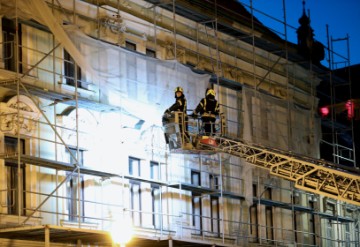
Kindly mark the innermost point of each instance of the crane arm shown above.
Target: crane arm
(309, 174)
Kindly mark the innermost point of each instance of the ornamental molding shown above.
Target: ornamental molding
(19, 114)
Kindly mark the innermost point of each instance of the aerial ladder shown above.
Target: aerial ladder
(309, 174)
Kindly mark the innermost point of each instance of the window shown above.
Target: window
(269, 216)
(156, 206)
(312, 224)
(73, 185)
(155, 195)
(15, 194)
(267, 193)
(130, 46)
(215, 215)
(330, 208)
(9, 54)
(135, 191)
(69, 71)
(269, 224)
(154, 170)
(135, 202)
(295, 199)
(254, 218)
(134, 166)
(214, 205)
(329, 234)
(347, 235)
(254, 222)
(254, 190)
(150, 53)
(214, 181)
(196, 203)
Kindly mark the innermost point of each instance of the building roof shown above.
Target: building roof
(230, 15)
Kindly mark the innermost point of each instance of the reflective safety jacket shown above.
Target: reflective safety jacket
(208, 107)
(179, 105)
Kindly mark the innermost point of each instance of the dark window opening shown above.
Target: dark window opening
(269, 216)
(16, 196)
(130, 46)
(312, 224)
(214, 181)
(254, 221)
(267, 193)
(269, 224)
(9, 55)
(150, 53)
(254, 231)
(69, 71)
(254, 190)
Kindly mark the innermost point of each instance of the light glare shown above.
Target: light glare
(121, 231)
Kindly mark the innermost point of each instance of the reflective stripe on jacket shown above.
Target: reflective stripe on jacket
(208, 108)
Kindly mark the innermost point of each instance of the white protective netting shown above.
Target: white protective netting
(142, 86)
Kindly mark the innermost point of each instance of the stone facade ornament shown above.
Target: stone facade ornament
(19, 114)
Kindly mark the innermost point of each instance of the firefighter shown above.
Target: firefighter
(208, 108)
(180, 102)
(180, 105)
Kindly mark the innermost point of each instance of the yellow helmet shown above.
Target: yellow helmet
(179, 89)
(210, 92)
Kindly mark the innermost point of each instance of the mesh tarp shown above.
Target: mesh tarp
(142, 85)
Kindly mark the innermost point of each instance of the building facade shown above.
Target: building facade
(84, 85)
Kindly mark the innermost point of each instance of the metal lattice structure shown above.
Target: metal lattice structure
(313, 175)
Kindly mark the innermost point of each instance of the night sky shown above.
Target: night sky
(341, 16)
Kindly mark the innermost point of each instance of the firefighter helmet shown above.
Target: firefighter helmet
(179, 89)
(210, 92)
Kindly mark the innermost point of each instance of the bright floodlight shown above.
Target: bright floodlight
(121, 231)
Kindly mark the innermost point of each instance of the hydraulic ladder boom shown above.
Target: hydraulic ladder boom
(313, 175)
(309, 174)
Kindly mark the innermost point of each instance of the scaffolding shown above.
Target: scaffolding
(202, 178)
(341, 100)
